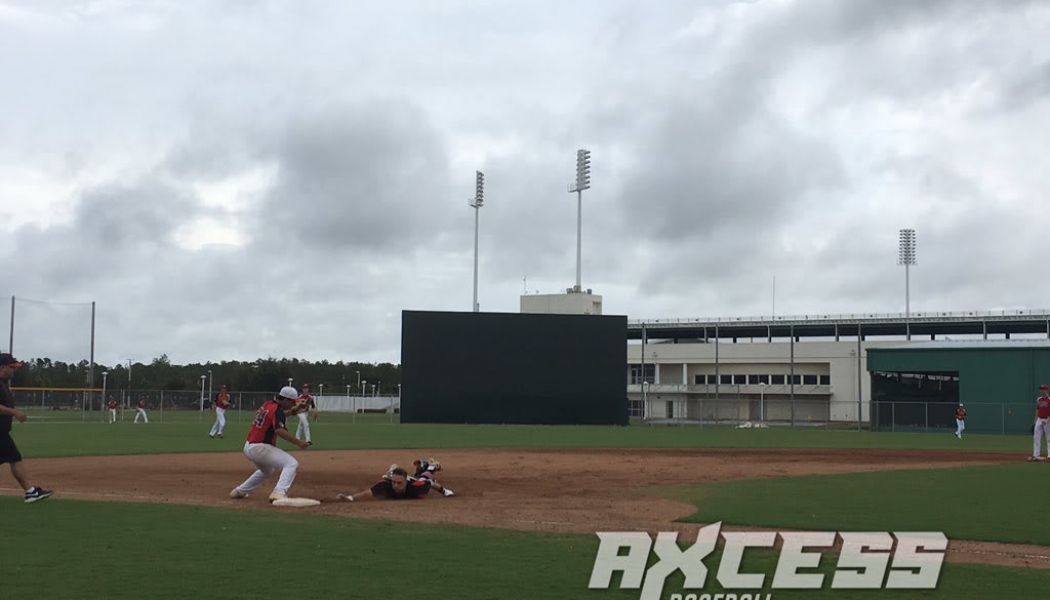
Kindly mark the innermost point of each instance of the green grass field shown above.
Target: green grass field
(993, 503)
(64, 549)
(74, 549)
(187, 432)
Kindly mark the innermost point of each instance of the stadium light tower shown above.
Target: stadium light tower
(583, 182)
(476, 203)
(906, 257)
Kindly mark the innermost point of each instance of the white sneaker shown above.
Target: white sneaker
(347, 497)
(278, 496)
(447, 492)
(237, 494)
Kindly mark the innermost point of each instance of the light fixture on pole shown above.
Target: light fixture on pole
(906, 257)
(203, 377)
(289, 382)
(104, 374)
(210, 395)
(129, 372)
(320, 391)
(583, 182)
(476, 203)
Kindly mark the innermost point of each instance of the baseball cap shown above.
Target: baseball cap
(6, 360)
(1041, 386)
(288, 392)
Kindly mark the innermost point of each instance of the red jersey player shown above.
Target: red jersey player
(1042, 424)
(261, 447)
(960, 421)
(112, 406)
(222, 402)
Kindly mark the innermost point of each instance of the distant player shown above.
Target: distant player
(305, 409)
(8, 451)
(112, 406)
(220, 405)
(261, 447)
(1042, 424)
(960, 421)
(141, 411)
(397, 485)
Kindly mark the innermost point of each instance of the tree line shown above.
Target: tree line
(264, 374)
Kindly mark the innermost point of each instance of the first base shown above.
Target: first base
(296, 502)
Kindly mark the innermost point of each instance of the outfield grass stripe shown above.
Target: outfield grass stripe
(993, 503)
(65, 549)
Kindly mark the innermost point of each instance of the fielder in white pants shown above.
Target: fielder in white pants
(1042, 423)
(261, 447)
(1042, 428)
(141, 412)
(219, 426)
(303, 430)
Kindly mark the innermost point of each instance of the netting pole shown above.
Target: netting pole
(11, 334)
(91, 366)
(162, 406)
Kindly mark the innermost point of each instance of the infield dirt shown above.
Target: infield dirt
(566, 491)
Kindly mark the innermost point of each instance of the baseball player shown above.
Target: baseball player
(261, 447)
(306, 409)
(1042, 424)
(141, 411)
(221, 403)
(8, 451)
(960, 421)
(396, 484)
(112, 406)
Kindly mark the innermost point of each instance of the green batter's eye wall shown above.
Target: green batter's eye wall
(513, 368)
(921, 385)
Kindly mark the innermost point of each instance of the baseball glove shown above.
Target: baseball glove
(300, 406)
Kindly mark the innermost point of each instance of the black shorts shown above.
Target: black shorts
(8, 450)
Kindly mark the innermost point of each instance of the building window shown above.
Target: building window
(740, 379)
(809, 379)
(777, 380)
(795, 379)
(763, 379)
(699, 379)
(825, 380)
(752, 379)
(636, 374)
(725, 379)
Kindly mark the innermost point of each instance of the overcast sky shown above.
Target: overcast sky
(233, 180)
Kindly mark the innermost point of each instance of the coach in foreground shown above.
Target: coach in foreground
(8, 451)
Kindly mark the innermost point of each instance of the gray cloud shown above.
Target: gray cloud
(732, 142)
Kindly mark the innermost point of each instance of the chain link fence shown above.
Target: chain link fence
(57, 405)
(982, 417)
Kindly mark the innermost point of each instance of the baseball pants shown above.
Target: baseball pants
(960, 427)
(1042, 428)
(304, 427)
(141, 413)
(269, 459)
(112, 415)
(220, 422)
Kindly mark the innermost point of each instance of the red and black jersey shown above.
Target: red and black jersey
(268, 419)
(222, 400)
(309, 400)
(112, 404)
(960, 413)
(1042, 407)
(415, 488)
(142, 404)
